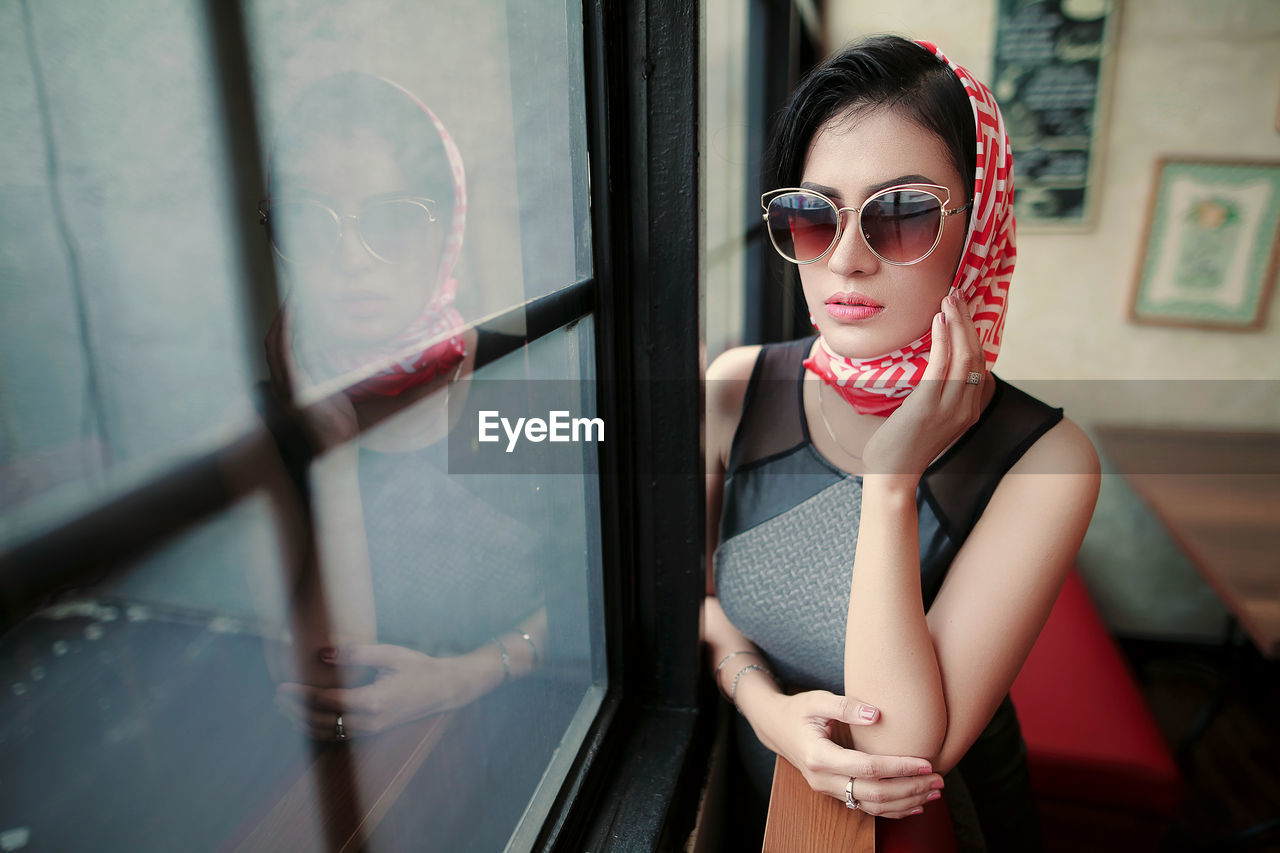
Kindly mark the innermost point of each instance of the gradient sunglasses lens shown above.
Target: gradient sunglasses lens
(902, 226)
(802, 226)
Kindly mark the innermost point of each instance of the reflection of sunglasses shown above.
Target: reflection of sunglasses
(304, 230)
(901, 225)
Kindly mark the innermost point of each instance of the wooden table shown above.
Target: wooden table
(1218, 494)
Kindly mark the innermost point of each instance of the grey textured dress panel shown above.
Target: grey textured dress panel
(451, 568)
(785, 582)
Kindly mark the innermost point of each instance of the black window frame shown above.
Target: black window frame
(635, 782)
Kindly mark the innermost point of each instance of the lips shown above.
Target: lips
(852, 298)
(846, 307)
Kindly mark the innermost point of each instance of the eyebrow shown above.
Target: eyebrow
(873, 188)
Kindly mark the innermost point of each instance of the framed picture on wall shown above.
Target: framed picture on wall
(1211, 246)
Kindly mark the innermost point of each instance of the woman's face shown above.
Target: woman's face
(850, 159)
(344, 293)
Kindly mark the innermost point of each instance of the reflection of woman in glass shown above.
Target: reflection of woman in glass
(871, 546)
(432, 589)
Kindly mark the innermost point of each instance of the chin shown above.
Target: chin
(358, 332)
(862, 344)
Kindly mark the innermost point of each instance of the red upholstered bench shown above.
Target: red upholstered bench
(1102, 774)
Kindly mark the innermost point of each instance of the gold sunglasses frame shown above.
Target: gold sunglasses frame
(941, 193)
(264, 219)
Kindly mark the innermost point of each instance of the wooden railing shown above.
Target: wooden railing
(803, 821)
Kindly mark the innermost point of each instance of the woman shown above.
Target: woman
(430, 592)
(870, 544)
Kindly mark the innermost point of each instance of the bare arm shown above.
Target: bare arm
(939, 678)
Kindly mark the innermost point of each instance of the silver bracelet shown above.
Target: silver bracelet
(534, 648)
(733, 693)
(506, 660)
(720, 666)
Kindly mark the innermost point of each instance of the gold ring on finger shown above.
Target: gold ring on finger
(974, 378)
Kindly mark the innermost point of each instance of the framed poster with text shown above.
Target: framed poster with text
(1052, 58)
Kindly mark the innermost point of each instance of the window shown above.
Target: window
(189, 518)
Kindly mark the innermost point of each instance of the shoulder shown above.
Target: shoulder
(727, 380)
(1035, 522)
(736, 363)
(1055, 482)
(1063, 449)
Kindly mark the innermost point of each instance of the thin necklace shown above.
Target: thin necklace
(822, 410)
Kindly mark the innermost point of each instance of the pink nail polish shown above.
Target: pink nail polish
(933, 796)
(937, 784)
(917, 810)
(867, 713)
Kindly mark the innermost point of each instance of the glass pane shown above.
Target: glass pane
(188, 703)
(144, 706)
(467, 598)
(420, 176)
(121, 341)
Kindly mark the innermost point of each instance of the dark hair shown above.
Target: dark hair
(881, 72)
(347, 103)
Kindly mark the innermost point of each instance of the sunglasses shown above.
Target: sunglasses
(305, 230)
(901, 225)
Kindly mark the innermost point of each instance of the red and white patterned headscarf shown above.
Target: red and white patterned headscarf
(420, 352)
(878, 385)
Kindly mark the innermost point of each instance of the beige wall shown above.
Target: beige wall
(1188, 77)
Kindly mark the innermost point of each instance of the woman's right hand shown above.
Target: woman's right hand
(802, 729)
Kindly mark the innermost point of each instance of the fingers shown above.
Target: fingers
(321, 725)
(863, 766)
(883, 797)
(843, 708)
(380, 656)
(313, 722)
(939, 352)
(322, 698)
(967, 349)
(966, 356)
(894, 797)
(315, 710)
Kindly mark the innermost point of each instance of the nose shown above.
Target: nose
(352, 256)
(851, 254)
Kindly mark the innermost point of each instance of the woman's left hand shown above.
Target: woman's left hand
(409, 685)
(941, 407)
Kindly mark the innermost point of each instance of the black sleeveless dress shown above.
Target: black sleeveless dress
(787, 590)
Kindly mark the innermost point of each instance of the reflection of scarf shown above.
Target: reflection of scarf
(410, 357)
(878, 385)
